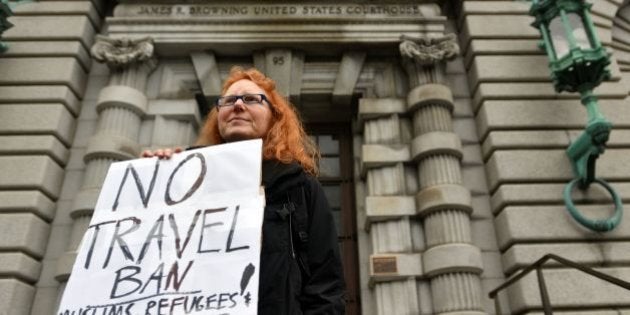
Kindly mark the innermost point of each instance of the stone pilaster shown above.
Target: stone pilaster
(121, 106)
(394, 262)
(451, 262)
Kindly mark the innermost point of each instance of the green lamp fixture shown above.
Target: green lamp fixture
(578, 63)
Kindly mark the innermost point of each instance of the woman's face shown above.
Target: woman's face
(241, 121)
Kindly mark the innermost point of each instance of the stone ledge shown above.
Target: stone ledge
(553, 224)
(124, 97)
(569, 288)
(16, 297)
(69, 27)
(41, 94)
(21, 266)
(541, 194)
(530, 139)
(371, 108)
(436, 143)
(482, 47)
(378, 155)
(606, 9)
(31, 172)
(27, 201)
(452, 258)
(357, 31)
(50, 49)
(35, 145)
(498, 7)
(506, 68)
(545, 114)
(34, 119)
(429, 94)
(24, 232)
(59, 8)
(608, 254)
(111, 146)
(388, 208)
(393, 267)
(44, 71)
(539, 166)
(514, 26)
(532, 91)
(545, 139)
(603, 13)
(442, 197)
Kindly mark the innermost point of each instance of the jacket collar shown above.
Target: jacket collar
(277, 176)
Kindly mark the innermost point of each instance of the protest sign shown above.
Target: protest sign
(178, 236)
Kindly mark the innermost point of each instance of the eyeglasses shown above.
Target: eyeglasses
(248, 99)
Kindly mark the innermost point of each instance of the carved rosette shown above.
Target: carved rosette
(119, 53)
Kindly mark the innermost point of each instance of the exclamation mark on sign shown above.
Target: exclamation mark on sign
(247, 275)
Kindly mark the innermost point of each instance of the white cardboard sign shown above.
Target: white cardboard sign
(180, 236)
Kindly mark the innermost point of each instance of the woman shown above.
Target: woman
(300, 265)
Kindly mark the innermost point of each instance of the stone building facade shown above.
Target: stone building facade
(442, 138)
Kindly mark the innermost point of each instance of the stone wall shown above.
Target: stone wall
(525, 127)
(499, 135)
(43, 76)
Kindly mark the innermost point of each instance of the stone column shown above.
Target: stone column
(390, 181)
(120, 107)
(451, 262)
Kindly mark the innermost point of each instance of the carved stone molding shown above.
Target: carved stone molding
(122, 52)
(429, 50)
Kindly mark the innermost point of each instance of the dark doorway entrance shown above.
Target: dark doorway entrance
(336, 176)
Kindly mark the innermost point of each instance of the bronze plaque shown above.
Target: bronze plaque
(385, 264)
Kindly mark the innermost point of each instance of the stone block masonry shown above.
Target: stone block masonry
(525, 128)
(43, 77)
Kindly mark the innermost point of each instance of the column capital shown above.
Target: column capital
(120, 53)
(427, 51)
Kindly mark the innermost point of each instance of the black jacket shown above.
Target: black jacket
(284, 287)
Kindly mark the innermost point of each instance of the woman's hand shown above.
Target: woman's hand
(163, 154)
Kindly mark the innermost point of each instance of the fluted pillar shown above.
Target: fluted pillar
(451, 263)
(121, 106)
(390, 184)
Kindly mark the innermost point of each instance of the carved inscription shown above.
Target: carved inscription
(384, 265)
(303, 11)
(278, 60)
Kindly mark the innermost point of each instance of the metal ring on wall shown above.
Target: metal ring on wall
(601, 225)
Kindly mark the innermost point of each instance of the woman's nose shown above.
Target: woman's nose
(239, 105)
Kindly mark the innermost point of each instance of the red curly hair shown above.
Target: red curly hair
(285, 141)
